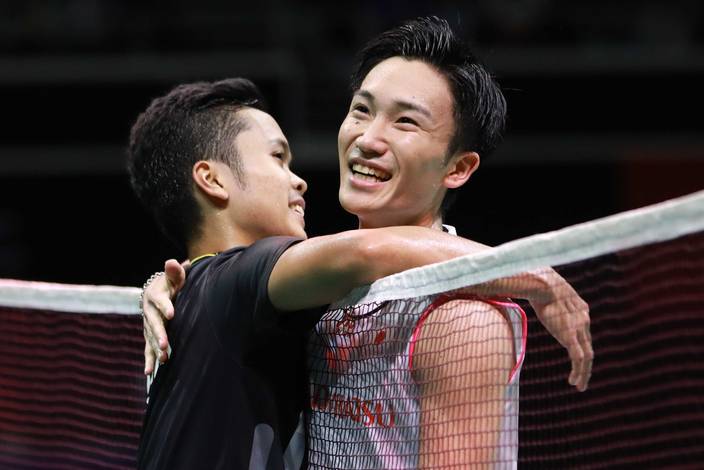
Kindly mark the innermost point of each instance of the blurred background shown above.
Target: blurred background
(604, 112)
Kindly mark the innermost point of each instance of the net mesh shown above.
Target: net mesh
(71, 389)
(416, 370)
(644, 406)
(430, 382)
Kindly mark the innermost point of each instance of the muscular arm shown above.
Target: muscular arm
(321, 270)
(463, 358)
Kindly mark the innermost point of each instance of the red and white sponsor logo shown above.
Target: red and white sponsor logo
(366, 412)
(345, 341)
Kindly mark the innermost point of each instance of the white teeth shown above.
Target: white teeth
(370, 174)
(364, 177)
(297, 208)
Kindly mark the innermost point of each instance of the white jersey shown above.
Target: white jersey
(364, 402)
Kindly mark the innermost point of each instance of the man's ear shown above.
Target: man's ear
(209, 178)
(460, 168)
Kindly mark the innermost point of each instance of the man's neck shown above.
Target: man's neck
(430, 222)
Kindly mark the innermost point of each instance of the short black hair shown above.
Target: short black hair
(479, 104)
(192, 122)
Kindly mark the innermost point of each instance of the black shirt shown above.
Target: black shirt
(232, 392)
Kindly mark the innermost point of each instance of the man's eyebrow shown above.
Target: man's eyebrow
(402, 104)
(364, 94)
(407, 105)
(280, 142)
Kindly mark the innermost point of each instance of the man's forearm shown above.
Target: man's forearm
(539, 286)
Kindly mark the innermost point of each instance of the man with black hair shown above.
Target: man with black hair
(423, 111)
(213, 168)
(444, 392)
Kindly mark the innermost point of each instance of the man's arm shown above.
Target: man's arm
(361, 256)
(314, 272)
(462, 361)
(323, 269)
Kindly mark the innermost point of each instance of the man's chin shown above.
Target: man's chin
(352, 205)
(370, 216)
(357, 202)
(299, 232)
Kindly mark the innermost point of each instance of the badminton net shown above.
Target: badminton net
(419, 369)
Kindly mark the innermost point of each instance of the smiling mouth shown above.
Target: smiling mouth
(298, 209)
(366, 173)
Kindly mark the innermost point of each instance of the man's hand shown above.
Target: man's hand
(566, 317)
(157, 310)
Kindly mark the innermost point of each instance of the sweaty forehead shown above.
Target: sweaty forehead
(398, 79)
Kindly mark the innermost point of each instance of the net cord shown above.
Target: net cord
(69, 298)
(659, 222)
(656, 223)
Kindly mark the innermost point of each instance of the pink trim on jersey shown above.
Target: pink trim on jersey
(416, 331)
(524, 336)
(446, 298)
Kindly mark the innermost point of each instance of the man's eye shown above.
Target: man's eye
(406, 120)
(360, 108)
(280, 156)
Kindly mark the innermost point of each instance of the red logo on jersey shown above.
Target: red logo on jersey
(345, 346)
(346, 326)
(366, 412)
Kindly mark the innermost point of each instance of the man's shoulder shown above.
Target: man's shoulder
(465, 328)
(462, 313)
(261, 250)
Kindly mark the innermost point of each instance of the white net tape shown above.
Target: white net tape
(658, 222)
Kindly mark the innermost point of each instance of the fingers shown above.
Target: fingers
(585, 339)
(157, 308)
(162, 305)
(150, 348)
(582, 357)
(154, 326)
(149, 358)
(577, 357)
(176, 275)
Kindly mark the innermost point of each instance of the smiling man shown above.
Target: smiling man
(442, 391)
(214, 169)
(394, 161)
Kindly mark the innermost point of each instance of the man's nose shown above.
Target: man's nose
(373, 141)
(298, 183)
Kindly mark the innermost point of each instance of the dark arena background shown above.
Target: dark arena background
(604, 103)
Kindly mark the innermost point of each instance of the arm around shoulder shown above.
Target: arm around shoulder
(321, 270)
(317, 271)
